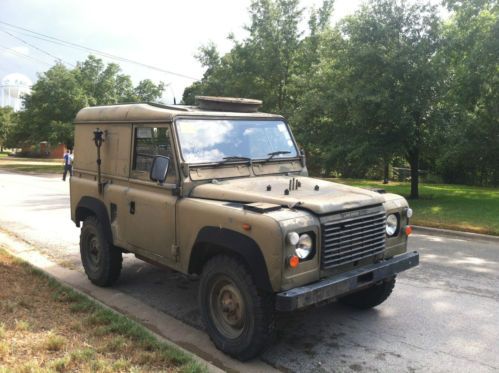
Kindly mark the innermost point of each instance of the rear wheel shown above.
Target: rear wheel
(370, 297)
(101, 260)
(238, 318)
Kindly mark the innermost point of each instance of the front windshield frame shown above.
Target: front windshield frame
(236, 118)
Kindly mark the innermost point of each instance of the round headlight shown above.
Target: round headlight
(392, 223)
(304, 247)
(409, 212)
(293, 238)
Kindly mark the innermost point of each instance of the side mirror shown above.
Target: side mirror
(159, 168)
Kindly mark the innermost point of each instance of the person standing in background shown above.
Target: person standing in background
(68, 164)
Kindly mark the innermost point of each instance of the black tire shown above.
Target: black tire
(101, 260)
(238, 318)
(370, 297)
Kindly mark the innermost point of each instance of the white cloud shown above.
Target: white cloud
(13, 51)
(21, 49)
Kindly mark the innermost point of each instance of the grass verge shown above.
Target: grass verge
(31, 165)
(33, 168)
(47, 327)
(457, 207)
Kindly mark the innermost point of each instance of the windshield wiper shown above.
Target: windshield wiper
(273, 154)
(234, 158)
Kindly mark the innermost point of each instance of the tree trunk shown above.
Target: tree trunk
(414, 162)
(386, 168)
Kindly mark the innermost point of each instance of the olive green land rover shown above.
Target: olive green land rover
(221, 190)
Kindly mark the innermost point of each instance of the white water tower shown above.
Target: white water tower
(12, 88)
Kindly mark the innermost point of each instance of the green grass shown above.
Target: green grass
(457, 207)
(31, 165)
(5, 157)
(45, 168)
(121, 333)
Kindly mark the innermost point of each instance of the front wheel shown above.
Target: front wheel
(101, 260)
(238, 318)
(370, 297)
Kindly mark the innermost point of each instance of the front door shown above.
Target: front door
(151, 207)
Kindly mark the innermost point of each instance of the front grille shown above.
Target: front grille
(350, 240)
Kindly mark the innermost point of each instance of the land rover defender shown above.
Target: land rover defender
(222, 191)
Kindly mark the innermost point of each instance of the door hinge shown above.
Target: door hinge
(176, 252)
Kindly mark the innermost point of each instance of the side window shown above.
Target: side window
(148, 142)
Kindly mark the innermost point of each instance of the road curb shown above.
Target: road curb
(454, 234)
(191, 341)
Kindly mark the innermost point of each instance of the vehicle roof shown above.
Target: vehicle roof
(147, 112)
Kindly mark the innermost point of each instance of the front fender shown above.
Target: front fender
(201, 221)
(211, 241)
(90, 206)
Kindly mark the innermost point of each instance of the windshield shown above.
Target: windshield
(217, 140)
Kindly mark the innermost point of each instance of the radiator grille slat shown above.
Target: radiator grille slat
(336, 237)
(348, 241)
(354, 246)
(352, 224)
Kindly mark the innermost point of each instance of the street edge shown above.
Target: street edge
(454, 234)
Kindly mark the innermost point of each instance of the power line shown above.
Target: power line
(96, 51)
(38, 49)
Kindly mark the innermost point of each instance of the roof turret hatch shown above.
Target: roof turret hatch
(232, 104)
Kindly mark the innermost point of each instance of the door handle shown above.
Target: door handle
(132, 207)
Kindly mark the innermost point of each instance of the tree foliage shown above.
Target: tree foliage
(387, 79)
(60, 93)
(471, 101)
(392, 83)
(262, 65)
(8, 120)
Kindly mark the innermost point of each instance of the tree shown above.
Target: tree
(147, 91)
(471, 152)
(60, 93)
(262, 65)
(8, 119)
(381, 85)
(51, 107)
(273, 63)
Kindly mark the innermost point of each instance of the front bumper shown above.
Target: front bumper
(344, 283)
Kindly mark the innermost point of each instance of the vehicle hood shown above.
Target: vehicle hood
(319, 196)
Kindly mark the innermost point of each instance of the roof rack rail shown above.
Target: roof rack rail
(234, 104)
(171, 107)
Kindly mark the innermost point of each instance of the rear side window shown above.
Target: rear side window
(148, 142)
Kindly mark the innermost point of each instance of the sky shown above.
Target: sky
(165, 34)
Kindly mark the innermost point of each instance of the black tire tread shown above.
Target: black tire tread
(370, 297)
(113, 261)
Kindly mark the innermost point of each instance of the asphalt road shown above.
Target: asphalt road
(442, 317)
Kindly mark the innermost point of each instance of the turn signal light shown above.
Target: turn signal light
(408, 230)
(294, 261)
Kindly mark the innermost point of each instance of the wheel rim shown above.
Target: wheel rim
(93, 252)
(227, 307)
